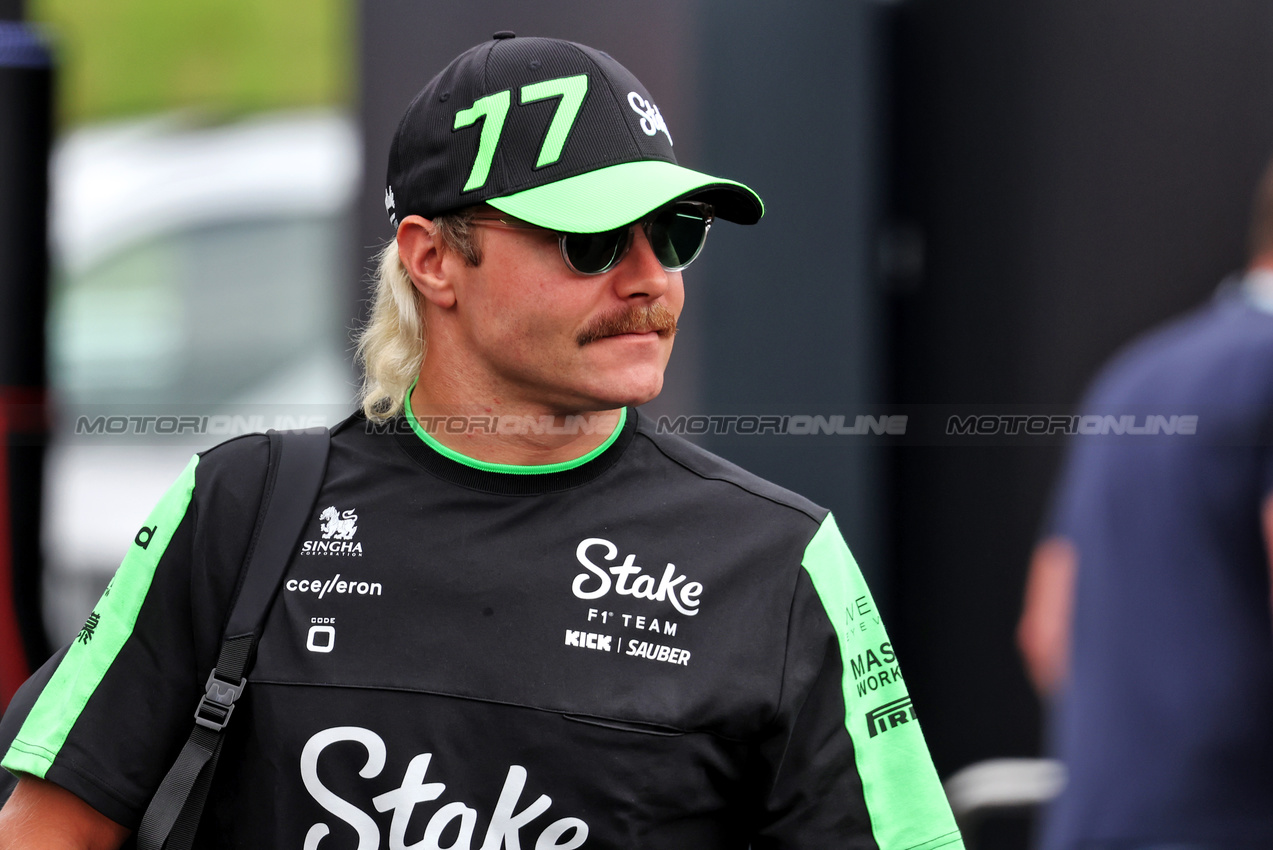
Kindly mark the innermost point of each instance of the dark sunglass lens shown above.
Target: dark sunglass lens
(593, 253)
(677, 235)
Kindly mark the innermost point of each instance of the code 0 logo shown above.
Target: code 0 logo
(890, 715)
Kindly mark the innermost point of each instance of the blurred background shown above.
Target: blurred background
(970, 205)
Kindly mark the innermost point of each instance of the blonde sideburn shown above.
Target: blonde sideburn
(392, 344)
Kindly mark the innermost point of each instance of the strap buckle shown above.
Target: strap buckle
(217, 703)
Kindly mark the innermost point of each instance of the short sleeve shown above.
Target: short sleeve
(119, 707)
(852, 768)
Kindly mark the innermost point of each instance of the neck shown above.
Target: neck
(519, 434)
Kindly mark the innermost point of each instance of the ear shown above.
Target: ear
(423, 255)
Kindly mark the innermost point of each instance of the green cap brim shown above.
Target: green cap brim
(620, 194)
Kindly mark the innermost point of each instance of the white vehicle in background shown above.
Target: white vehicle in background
(198, 272)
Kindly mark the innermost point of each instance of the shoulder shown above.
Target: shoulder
(707, 467)
(247, 449)
(1191, 350)
(241, 464)
(235, 469)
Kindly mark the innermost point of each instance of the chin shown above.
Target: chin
(635, 393)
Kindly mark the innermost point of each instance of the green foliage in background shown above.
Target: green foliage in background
(129, 57)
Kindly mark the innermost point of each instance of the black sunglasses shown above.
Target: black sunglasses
(676, 232)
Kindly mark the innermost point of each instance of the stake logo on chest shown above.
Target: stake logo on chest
(630, 579)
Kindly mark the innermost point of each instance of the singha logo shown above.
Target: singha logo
(337, 525)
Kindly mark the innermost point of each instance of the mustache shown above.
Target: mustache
(634, 320)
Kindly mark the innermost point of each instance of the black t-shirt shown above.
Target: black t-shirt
(647, 648)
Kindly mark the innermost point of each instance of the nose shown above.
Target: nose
(639, 274)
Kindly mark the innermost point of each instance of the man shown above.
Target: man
(1147, 613)
(534, 622)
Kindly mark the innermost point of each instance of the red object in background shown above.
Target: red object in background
(26, 134)
(14, 668)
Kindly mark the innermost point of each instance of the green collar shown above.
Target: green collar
(508, 468)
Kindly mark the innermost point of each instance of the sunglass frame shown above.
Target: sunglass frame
(705, 210)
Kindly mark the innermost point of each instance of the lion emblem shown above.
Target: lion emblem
(340, 526)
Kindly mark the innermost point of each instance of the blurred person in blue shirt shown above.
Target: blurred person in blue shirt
(1147, 619)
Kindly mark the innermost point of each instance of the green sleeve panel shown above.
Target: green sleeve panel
(94, 650)
(904, 797)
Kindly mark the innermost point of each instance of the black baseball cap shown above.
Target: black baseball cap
(549, 131)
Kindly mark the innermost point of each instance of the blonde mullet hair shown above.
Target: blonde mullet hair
(392, 344)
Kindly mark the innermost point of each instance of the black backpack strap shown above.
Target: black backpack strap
(298, 463)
